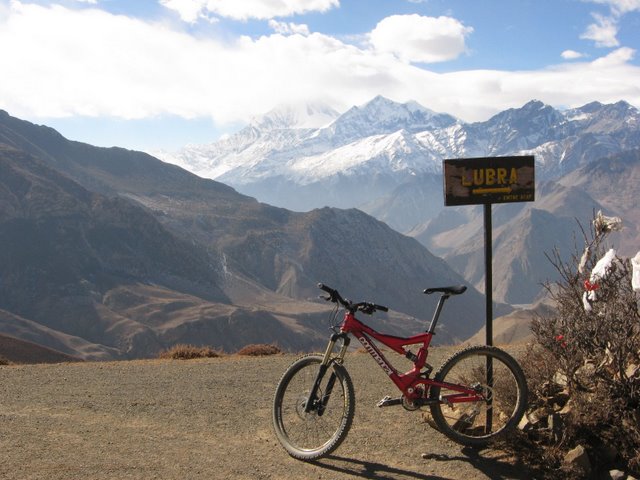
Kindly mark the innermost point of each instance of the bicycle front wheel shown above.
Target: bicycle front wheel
(311, 435)
(494, 376)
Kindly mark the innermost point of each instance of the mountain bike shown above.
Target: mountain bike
(478, 393)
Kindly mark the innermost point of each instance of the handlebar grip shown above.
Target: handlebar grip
(334, 296)
(382, 308)
(323, 287)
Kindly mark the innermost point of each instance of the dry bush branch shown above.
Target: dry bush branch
(583, 367)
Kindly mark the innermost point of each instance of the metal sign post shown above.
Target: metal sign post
(488, 274)
(485, 181)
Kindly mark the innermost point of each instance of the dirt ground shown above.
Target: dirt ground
(209, 419)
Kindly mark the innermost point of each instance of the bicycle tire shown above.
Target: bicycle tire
(476, 424)
(309, 436)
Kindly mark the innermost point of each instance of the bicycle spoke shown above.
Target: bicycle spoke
(308, 435)
(496, 379)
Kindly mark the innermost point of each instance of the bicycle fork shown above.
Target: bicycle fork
(313, 403)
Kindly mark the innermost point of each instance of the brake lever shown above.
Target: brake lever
(370, 308)
(367, 309)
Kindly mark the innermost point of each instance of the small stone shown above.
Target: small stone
(561, 379)
(578, 458)
(524, 424)
(617, 475)
(567, 409)
(538, 418)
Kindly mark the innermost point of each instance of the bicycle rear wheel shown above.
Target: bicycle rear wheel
(495, 375)
(311, 435)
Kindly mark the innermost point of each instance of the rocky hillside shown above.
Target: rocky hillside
(120, 254)
(614, 182)
(385, 158)
(16, 351)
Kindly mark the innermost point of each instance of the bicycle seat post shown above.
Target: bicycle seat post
(436, 314)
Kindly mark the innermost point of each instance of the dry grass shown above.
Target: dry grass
(259, 350)
(187, 352)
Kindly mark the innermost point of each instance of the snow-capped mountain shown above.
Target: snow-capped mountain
(305, 115)
(281, 161)
(307, 157)
(383, 116)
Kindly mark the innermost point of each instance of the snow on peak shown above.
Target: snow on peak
(391, 116)
(302, 115)
(294, 144)
(395, 152)
(382, 116)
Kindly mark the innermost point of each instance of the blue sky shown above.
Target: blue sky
(149, 74)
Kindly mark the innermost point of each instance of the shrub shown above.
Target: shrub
(584, 368)
(259, 350)
(186, 352)
(4, 360)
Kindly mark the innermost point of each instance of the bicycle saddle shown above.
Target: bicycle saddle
(453, 290)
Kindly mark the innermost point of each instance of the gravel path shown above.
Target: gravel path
(208, 419)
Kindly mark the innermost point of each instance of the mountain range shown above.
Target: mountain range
(385, 158)
(370, 151)
(111, 253)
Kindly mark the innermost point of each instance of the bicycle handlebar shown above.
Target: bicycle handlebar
(364, 307)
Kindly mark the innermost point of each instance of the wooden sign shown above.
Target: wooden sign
(475, 181)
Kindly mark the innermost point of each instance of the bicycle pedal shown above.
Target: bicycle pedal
(388, 401)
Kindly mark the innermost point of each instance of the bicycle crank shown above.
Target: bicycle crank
(408, 405)
(388, 401)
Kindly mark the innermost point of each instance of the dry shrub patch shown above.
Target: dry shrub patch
(584, 370)
(186, 352)
(4, 360)
(259, 350)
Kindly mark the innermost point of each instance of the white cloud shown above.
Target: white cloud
(285, 28)
(620, 7)
(603, 32)
(191, 10)
(88, 62)
(617, 57)
(571, 55)
(415, 38)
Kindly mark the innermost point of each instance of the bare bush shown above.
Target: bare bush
(259, 350)
(187, 352)
(584, 369)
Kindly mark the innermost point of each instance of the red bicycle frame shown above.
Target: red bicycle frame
(413, 384)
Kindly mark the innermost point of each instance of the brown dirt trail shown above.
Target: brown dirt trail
(208, 419)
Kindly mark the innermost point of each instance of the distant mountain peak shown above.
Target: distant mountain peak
(302, 115)
(384, 105)
(382, 116)
(534, 105)
(528, 110)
